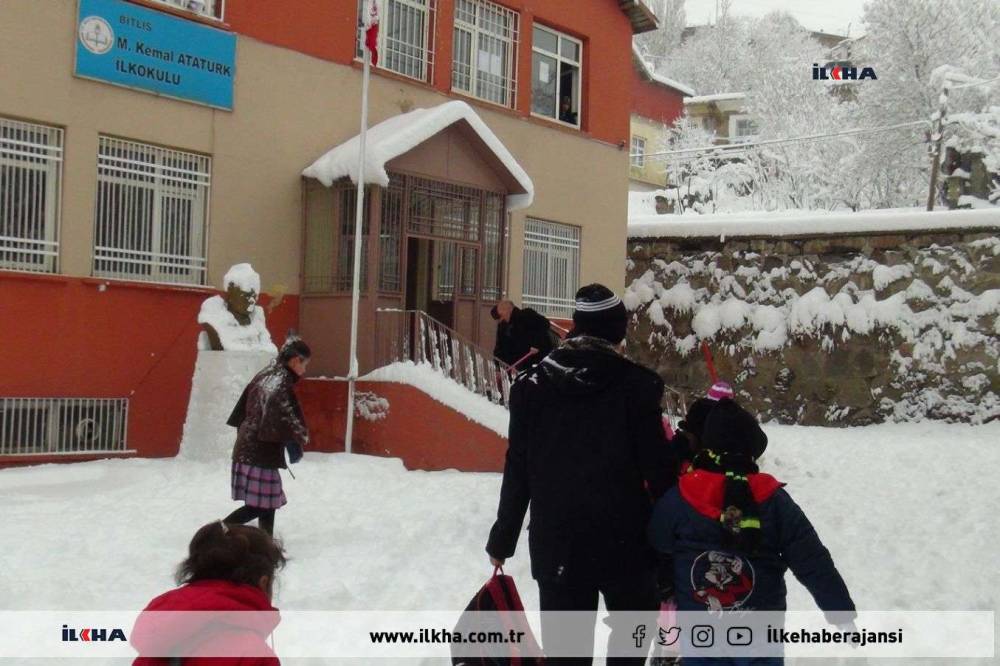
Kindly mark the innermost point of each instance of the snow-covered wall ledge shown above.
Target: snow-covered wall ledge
(890, 316)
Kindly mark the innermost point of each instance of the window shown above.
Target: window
(404, 36)
(30, 168)
(151, 213)
(551, 267)
(638, 152)
(556, 73)
(31, 426)
(209, 8)
(741, 128)
(493, 230)
(484, 53)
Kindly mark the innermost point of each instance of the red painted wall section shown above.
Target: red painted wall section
(655, 101)
(327, 29)
(66, 337)
(421, 431)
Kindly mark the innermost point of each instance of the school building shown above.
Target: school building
(148, 145)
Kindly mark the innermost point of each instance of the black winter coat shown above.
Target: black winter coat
(526, 329)
(268, 415)
(587, 451)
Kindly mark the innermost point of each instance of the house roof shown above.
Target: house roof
(641, 16)
(717, 97)
(647, 72)
(400, 134)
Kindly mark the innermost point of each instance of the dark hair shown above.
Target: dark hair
(236, 553)
(294, 347)
(732, 441)
(697, 413)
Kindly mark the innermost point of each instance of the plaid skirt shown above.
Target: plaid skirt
(258, 487)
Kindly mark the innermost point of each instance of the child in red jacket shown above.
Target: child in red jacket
(229, 568)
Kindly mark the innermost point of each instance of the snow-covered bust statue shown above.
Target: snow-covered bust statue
(235, 322)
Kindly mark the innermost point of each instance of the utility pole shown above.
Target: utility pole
(937, 138)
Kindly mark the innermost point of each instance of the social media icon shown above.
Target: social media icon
(669, 636)
(702, 635)
(738, 636)
(639, 635)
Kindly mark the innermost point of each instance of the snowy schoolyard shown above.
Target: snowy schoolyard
(910, 512)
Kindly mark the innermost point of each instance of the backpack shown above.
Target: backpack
(498, 594)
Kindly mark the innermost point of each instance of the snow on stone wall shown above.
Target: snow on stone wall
(826, 329)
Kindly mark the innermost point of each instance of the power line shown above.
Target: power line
(742, 147)
(974, 84)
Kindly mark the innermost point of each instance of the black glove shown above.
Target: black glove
(294, 451)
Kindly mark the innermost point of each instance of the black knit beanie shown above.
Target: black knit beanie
(731, 442)
(599, 313)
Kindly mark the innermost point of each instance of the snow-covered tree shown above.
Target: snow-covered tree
(672, 19)
(908, 41)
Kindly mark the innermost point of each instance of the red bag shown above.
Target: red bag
(498, 594)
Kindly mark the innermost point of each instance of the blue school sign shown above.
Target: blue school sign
(127, 45)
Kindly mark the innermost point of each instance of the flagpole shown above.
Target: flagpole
(352, 375)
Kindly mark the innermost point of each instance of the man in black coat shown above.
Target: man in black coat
(587, 451)
(519, 333)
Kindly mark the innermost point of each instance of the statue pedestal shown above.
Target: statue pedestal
(219, 379)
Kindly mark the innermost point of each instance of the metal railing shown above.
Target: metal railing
(413, 335)
(46, 426)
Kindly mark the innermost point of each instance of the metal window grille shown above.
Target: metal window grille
(638, 152)
(215, 9)
(484, 52)
(346, 199)
(30, 182)
(151, 213)
(444, 210)
(391, 231)
(404, 37)
(493, 231)
(556, 75)
(62, 425)
(551, 267)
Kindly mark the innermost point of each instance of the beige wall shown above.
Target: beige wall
(654, 171)
(289, 109)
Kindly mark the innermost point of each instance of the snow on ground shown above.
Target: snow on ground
(908, 510)
(805, 223)
(445, 390)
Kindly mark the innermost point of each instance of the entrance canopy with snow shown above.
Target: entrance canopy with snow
(400, 134)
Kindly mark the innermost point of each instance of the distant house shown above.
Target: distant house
(657, 102)
(724, 115)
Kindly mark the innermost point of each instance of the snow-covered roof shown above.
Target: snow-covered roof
(806, 223)
(717, 97)
(649, 72)
(400, 134)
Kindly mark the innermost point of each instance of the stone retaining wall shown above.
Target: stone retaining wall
(826, 329)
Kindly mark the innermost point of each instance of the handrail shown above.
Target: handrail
(413, 335)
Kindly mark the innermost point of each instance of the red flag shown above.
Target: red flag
(371, 31)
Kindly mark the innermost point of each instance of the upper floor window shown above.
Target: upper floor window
(638, 151)
(214, 9)
(556, 75)
(30, 171)
(484, 53)
(151, 213)
(404, 36)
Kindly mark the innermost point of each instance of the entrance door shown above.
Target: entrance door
(430, 278)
